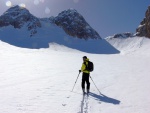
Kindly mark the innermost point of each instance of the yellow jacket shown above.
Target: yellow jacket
(83, 68)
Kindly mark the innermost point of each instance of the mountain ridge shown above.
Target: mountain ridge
(69, 20)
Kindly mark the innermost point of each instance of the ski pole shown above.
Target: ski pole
(95, 86)
(75, 82)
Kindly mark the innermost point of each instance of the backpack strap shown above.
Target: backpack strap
(85, 65)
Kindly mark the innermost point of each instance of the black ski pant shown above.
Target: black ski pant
(85, 78)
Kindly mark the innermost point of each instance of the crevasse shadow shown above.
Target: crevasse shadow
(104, 98)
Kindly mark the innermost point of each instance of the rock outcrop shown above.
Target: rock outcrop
(121, 35)
(144, 28)
(75, 25)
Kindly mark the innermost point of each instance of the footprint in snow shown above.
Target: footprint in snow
(68, 97)
(64, 104)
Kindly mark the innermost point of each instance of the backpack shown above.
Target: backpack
(90, 66)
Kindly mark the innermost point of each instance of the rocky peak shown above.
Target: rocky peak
(16, 11)
(17, 17)
(75, 25)
(144, 28)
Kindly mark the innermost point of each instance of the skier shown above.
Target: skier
(85, 75)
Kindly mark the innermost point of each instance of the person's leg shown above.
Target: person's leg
(87, 82)
(83, 81)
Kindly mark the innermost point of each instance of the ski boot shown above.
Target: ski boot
(83, 91)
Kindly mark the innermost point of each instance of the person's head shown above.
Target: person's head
(84, 58)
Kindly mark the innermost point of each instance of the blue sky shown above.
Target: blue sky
(107, 17)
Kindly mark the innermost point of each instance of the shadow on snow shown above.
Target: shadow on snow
(100, 46)
(104, 98)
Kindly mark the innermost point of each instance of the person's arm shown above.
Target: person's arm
(83, 67)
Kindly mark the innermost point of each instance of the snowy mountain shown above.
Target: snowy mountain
(20, 28)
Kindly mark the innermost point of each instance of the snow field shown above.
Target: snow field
(40, 81)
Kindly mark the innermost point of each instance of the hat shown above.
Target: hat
(85, 57)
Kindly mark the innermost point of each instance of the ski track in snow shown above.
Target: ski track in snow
(84, 104)
(40, 81)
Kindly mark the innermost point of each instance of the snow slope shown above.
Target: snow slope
(51, 33)
(131, 45)
(41, 80)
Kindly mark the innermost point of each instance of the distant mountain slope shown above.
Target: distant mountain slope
(121, 35)
(132, 44)
(20, 28)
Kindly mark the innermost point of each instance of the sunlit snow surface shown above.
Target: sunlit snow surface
(130, 45)
(40, 81)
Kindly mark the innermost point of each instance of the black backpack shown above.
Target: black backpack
(90, 66)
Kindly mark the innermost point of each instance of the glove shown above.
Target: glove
(79, 71)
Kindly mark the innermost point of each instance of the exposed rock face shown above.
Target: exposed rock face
(75, 25)
(18, 16)
(144, 28)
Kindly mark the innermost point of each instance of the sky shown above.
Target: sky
(107, 17)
